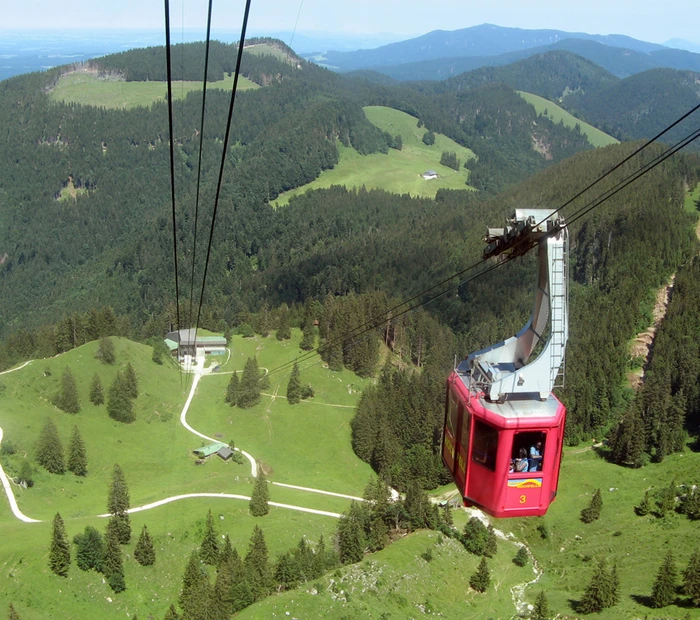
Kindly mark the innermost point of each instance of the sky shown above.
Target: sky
(648, 20)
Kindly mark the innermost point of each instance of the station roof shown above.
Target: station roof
(210, 449)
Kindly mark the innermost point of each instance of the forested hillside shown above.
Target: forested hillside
(111, 244)
(642, 105)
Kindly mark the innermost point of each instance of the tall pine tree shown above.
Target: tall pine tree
(49, 450)
(294, 386)
(663, 592)
(258, 505)
(67, 399)
(144, 552)
(131, 381)
(113, 565)
(209, 550)
(249, 391)
(59, 554)
(120, 405)
(691, 578)
(118, 504)
(481, 579)
(257, 565)
(284, 331)
(97, 396)
(105, 352)
(232, 390)
(541, 610)
(77, 457)
(90, 549)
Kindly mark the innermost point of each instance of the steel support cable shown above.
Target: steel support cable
(626, 159)
(199, 157)
(199, 163)
(659, 159)
(244, 26)
(172, 153)
(172, 163)
(349, 341)
(377, 321)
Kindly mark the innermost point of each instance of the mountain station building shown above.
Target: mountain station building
(183, 342)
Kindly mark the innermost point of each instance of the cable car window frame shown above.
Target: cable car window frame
(484, 432)
(533, 438)
(453, 413)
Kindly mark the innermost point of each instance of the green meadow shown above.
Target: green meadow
(87, 89)
(397, 171)
(265, 49)
(692, 200)
(595, 136)
(307, 445)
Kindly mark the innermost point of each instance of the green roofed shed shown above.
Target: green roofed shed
(208, 450)
(171, 344)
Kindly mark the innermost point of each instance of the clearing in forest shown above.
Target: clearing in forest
(554, 113)
(396, 171)
(86, 88)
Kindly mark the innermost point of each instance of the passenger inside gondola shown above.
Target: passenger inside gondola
(528, 452)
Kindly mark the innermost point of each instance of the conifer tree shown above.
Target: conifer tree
(447, 516)
(90, 549)
(209, 550)
(113, 567)
(521, 557)
(260, 497)
(284, 331)
(491, 546)
(249, 391)
(120, 406)
(221, 600)
(59, 554)
(262, 324)
(49, 451)
(12, 613)
(663, 592)
(644, 507)
(666, 500)
(294, 386)
(592, 513)
(171, 614)
(97, 396)
(68, 397)
(541, 610)
(601, 591)
(118, 504)
(691, 578)
(26, 473)
(614, 587)
(475, 536)
(77, 457)
(190, 580)
(131, 382)
(481, 579)
(105, 352)
(232, 390)
(308, 339)
(227, 552)
(350, 535)
(144, 552)
(257, 565)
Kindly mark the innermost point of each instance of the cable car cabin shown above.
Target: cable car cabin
(504, 428)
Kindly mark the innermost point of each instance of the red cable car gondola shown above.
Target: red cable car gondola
(504, 428)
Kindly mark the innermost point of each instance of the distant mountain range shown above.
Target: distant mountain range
(442, 54)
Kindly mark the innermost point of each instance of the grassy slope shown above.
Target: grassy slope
(397, 171)
(265, 49)
(692, 200)
(307, 444)
(84, 88)
(595, 136)
(157, 460)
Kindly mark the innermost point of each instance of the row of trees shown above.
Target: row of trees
(50, 455)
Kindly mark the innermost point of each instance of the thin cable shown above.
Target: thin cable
(223, 158)
(199, 158)
(659, 159)
(291, 40)
(172, 154)
(626, 159)
(350, 338)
